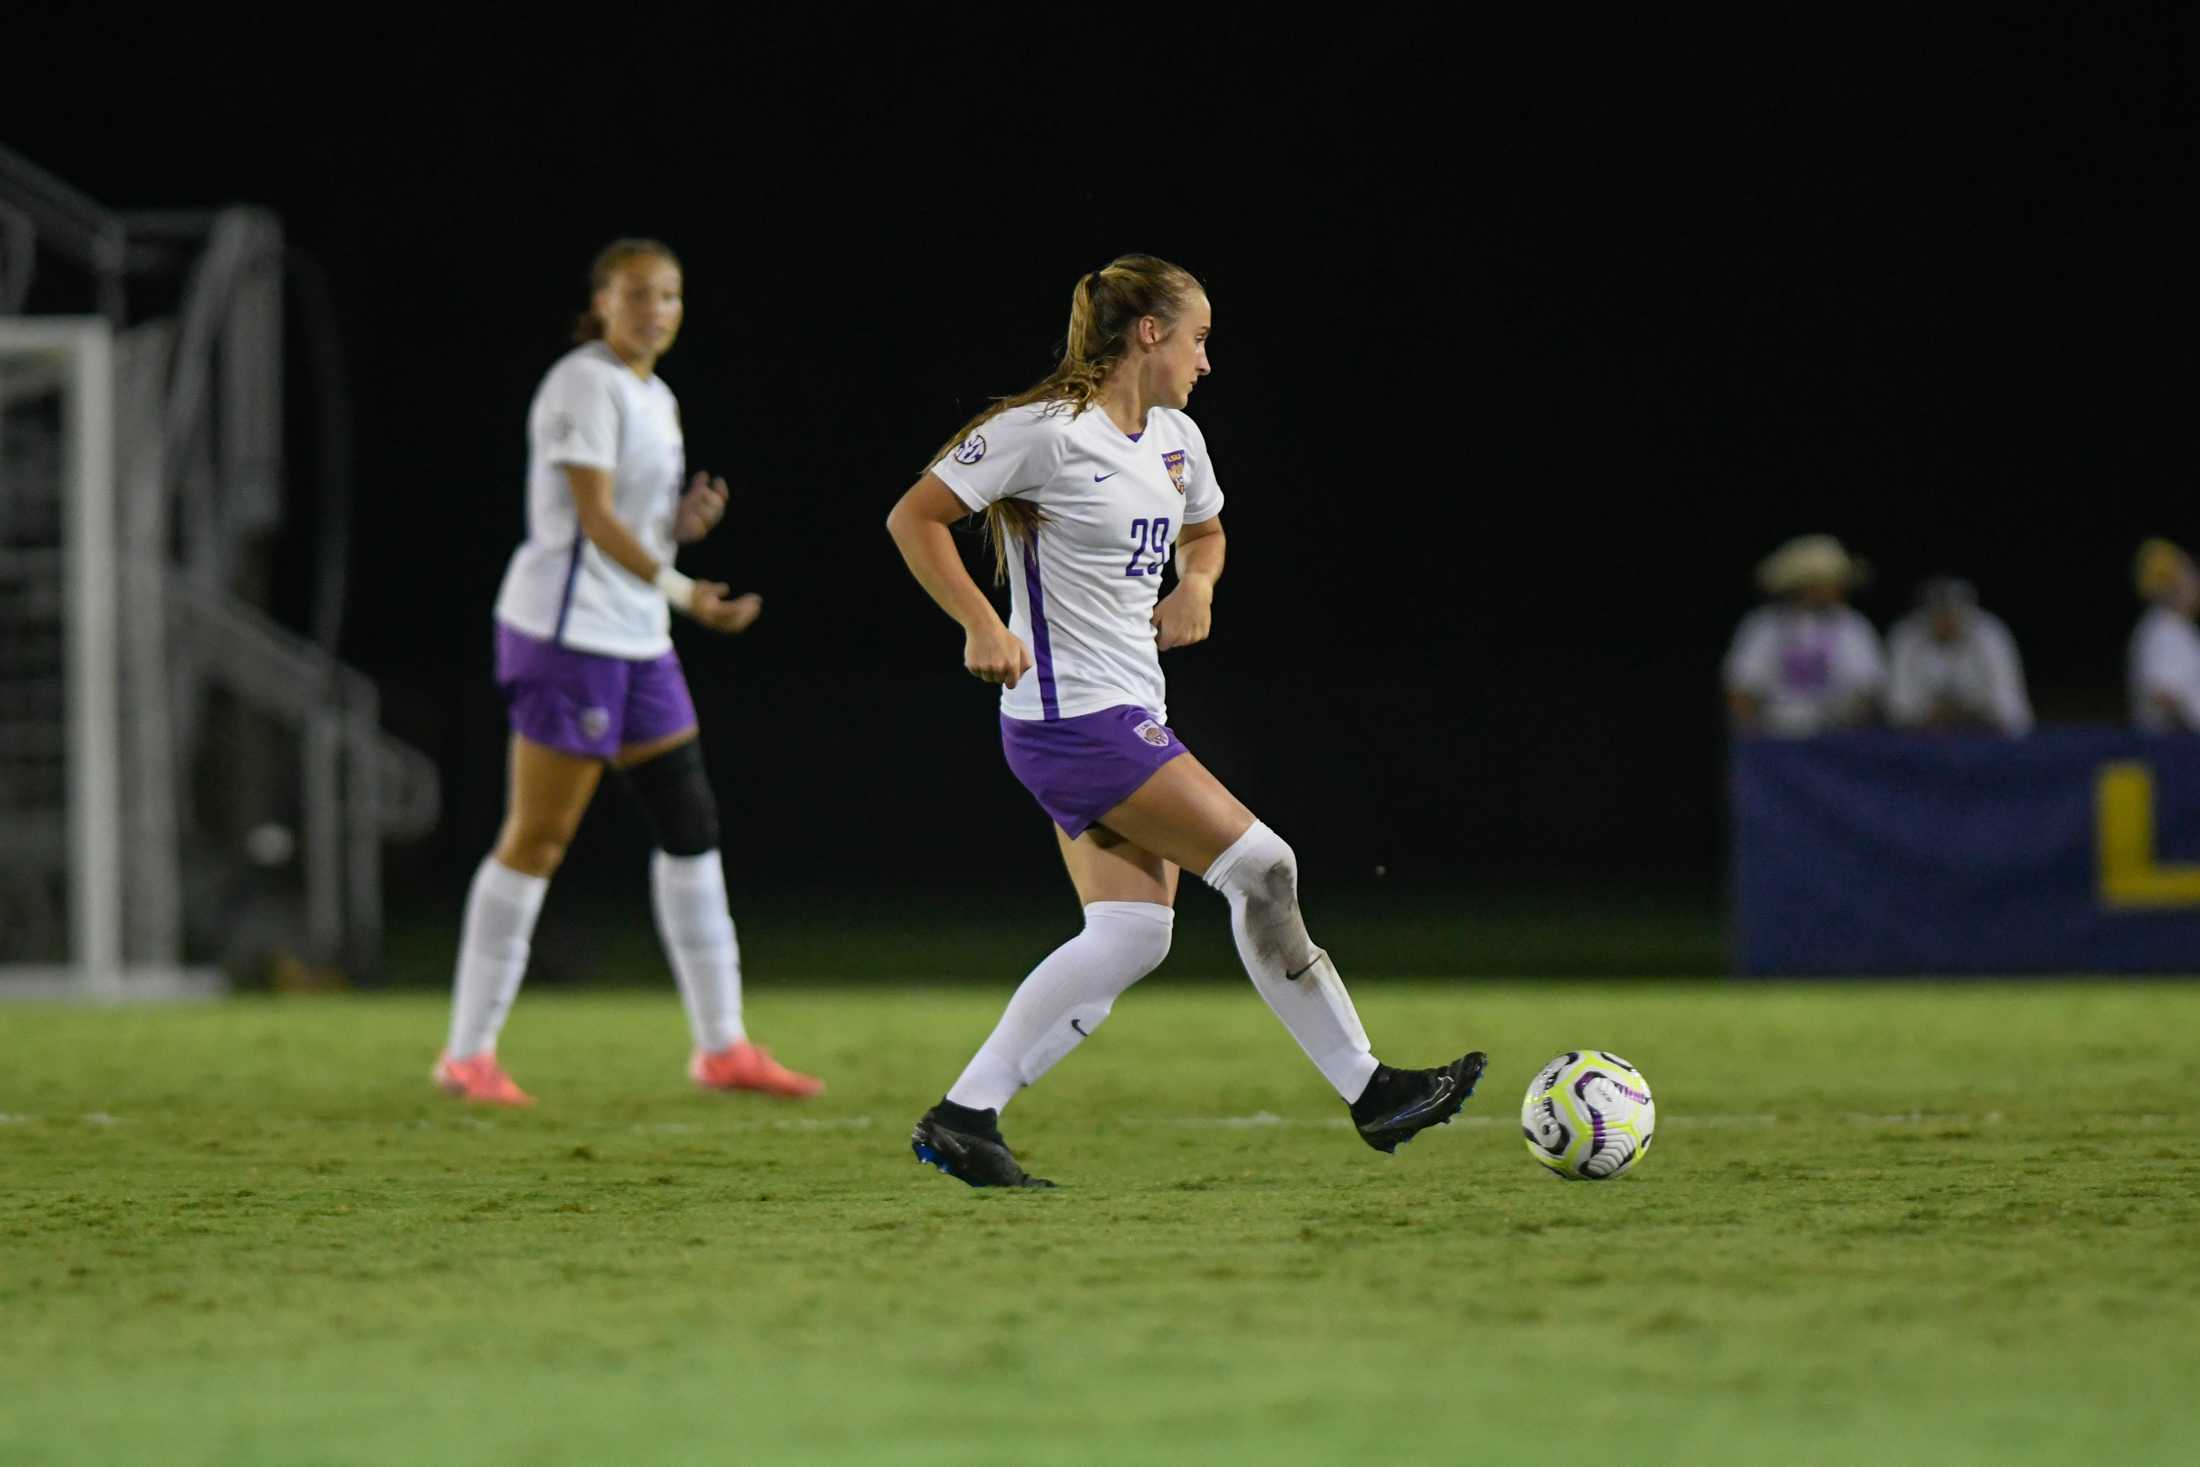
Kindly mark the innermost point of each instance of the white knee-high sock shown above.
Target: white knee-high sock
(1065, 998)
(1260, 876)
(688, 894)
(501, 907)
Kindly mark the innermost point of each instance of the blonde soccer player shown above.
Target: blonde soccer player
(1090, 482)
(584, 658)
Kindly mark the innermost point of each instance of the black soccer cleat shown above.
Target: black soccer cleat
(980, 1158)
(1399, 1104)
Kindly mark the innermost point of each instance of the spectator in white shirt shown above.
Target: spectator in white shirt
(2165, 647)
(1954, 666)
(1806, 663)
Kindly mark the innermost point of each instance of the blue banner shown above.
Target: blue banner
(2073, 850)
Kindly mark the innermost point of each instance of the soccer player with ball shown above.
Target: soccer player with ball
(1090, 482)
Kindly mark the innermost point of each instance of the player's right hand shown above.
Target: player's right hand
(715, 610)
(994, 654)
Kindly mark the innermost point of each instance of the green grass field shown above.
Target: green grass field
(1881, 1224)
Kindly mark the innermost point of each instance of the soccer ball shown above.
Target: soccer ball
(1588, 1115)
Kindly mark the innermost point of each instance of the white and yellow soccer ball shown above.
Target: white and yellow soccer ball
(1588, 1115)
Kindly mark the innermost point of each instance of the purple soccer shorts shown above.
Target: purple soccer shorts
(586, 704)
(1080, 768)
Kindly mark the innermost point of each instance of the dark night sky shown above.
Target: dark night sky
(1529, 341)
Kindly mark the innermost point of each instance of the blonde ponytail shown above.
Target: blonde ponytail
(1104, 307)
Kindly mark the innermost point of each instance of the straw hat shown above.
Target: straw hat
(2160, 565)
(1810, 560)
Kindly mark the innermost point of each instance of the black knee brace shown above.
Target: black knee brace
(675, 797)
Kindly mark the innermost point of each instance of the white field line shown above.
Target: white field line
(1262, 1119)
(95, 1118)
(1258, 1120)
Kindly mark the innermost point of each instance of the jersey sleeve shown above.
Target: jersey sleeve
(576, 418)
(1202, 492)
(1011, 453)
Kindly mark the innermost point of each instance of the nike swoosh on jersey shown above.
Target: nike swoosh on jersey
(1096, 478)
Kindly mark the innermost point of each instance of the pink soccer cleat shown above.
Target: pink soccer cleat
(478, 1078)
(745, 1066)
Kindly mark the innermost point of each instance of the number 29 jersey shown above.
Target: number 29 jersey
(1084, 585)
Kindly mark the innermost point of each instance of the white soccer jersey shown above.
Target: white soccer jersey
(1978, 674)
(2165, 665)
(591, 410)
(1110, 507)
(1809, 670)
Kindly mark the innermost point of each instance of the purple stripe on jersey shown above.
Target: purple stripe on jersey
(572, 576)
(1138, 435)
(1041, 648)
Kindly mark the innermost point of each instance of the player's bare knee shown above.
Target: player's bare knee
(531, 859)
(532, 851)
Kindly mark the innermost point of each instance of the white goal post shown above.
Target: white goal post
(162, 734)
(62, 583)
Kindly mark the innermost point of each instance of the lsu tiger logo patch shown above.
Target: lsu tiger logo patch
(1174, 462)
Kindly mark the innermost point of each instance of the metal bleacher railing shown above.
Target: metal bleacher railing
(140, 671)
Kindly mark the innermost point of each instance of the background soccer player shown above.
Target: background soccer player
(1089, 482)
(585, 659)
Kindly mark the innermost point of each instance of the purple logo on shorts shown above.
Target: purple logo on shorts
(595, 722)
(1153, 733)
(972, 450)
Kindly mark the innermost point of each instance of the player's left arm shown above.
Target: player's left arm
(700, 509)
(1185, 615)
